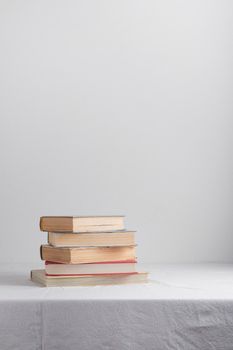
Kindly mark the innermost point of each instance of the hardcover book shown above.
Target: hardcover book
(118, 267)
(80, 255)
(81, 223)
(100, 239)
(39, 276)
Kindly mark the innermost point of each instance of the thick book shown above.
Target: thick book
(81, 223)
(57, 269)
(100, 239)
(39, 276)
(82, 255)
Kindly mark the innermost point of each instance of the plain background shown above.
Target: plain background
(118, 107)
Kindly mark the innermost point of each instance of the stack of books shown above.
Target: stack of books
(87, 250)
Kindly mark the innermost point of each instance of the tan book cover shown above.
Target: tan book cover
(52, 268)
(100, 239)
(39, 276)
(81, 223)
(81, 255)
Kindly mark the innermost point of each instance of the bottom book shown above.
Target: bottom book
(39, 276)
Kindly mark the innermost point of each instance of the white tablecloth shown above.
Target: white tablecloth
(183, 307)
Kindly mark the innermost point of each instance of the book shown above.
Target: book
(82, 255)
(39, 276)
(81, 223)
(118, 267)
(101, 239)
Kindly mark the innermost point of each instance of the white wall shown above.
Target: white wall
(111, 107)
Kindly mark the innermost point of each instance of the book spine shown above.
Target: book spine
(41, 252)
(40, 223)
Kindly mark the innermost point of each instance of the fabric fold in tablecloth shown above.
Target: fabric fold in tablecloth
(116, 324)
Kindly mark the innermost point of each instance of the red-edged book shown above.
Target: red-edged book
(101, 268)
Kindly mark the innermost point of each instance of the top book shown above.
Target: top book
(81, 223)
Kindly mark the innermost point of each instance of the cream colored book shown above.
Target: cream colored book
(100, 239)
(56, 269)
(81, 223)
(39, 276)
(82, 255)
